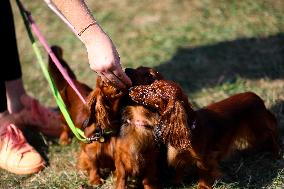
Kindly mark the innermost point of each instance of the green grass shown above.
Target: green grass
(213, 49)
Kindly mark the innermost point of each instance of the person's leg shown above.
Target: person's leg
(42, 118)
(14, 91)
(12, 72)
(16, 155)
(3, 101)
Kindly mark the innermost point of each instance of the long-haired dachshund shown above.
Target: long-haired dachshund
(103, 125)
(101, 110)
(78, 111)
(105, 103)
(136, 150)
(210, 134)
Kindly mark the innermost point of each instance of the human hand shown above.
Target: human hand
(102, 54)
(104, 59)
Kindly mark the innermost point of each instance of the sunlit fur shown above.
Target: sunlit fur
(207, 136)
(136, 149)
(105, 103)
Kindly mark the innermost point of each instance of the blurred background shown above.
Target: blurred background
(212, 48)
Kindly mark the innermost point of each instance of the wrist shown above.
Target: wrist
(90, 34)
(87, 27)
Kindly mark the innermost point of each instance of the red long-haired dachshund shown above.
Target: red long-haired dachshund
(206, 136)
(105, 103)
(103, 125)
(101, 110)
(78, 111)
(137, 151)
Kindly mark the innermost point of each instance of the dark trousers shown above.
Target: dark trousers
(10, 68)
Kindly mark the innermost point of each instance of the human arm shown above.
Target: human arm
(103, 56)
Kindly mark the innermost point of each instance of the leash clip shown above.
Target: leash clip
(99, 136)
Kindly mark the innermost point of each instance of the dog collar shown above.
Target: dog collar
(100, 135)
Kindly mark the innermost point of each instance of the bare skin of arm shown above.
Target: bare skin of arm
(103, 56)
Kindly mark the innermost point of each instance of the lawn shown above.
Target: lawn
(212, 48)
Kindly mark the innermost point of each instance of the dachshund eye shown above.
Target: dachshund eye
(85, 123)
(149, 75)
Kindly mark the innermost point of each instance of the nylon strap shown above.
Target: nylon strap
(77, 132)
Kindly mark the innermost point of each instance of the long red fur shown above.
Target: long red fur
(77, 110)
(207, 136)
(101, 111)
(136, 150)
(105, 103)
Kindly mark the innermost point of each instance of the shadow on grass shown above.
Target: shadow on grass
(242, 170)
(250, 170)
(207, 66)
(278, 111)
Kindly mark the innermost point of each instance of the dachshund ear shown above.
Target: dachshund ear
(174, 126)
(98, 108)
(58, 52)
(91, 100)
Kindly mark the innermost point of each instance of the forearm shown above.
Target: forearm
(79, 17)
(102, 53)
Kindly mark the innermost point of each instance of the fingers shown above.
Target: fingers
(122, 77)
(109, 77)
(117, 78)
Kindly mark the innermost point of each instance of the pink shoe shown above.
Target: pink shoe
(41, 118)
(16, 155)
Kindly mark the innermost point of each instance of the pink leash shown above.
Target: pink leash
(51, 54)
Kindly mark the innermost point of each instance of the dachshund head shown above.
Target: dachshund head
(176, 113)
(104, 103)
(143, 75)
